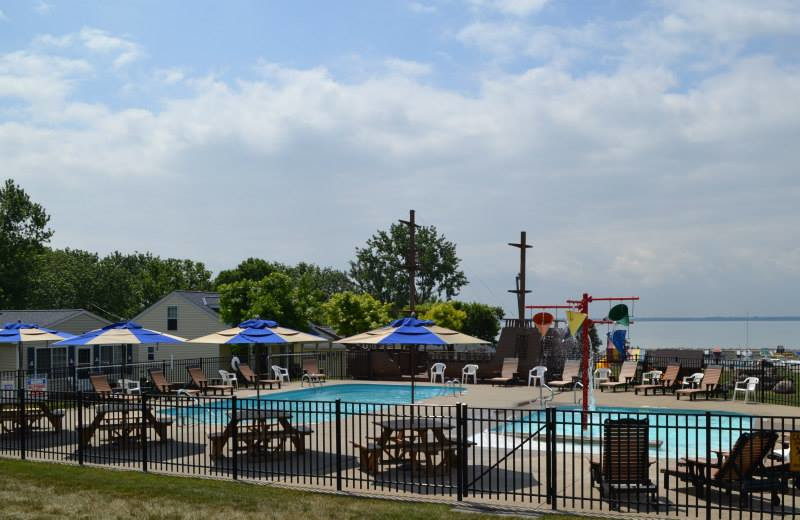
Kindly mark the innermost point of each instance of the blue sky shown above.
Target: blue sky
(647, 147)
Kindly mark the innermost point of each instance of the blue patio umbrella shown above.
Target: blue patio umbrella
(123, 332)
(413, 332)
(20, 333)
(258, 331)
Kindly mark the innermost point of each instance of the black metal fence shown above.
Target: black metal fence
(663, 463)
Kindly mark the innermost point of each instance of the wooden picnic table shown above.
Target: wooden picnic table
(125, 422)
(258, 433)
(406, 440)
(31, 419)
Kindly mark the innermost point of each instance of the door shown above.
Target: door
(83, 363)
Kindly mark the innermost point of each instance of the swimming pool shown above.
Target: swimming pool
(672, 433)
(313, 405)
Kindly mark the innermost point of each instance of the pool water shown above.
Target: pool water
(314, 405)
(672, 433)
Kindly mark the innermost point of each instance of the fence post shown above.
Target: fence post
(763, 380)
(80, 428)
(235, 437)
(461, 453)
(143, 426)
(338, 445)
(550, 455)
(708, 466)
(23, 435)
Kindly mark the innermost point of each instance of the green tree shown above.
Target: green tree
(23, 233)
(445, 314)
(65, 278)
(253, 269)
(380, 268)
(350, 313)
(482, 321)
(291, 303)
(325, 279)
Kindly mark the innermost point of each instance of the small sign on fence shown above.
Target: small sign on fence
(794, 451)
(36, 386)
(8, 384)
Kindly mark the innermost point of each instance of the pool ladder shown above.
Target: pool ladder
(544, 399)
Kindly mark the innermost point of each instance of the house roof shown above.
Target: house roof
(323, 331)
(44, 317)
(205, 299)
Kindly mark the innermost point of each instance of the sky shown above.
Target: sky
(648, 148)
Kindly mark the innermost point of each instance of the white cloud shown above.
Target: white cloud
(100, 41)
(627, 179)
(407, 67)
(3, 16)
(170, 76)
(420, 7)
(511, 7)
(42, 7)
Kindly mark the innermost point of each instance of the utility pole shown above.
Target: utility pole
(411, 265)
(520, 291)
(411, 260)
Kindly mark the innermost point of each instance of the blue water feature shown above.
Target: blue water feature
(672, 433)
(313, 405)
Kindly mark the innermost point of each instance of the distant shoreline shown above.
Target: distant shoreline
(720, 318)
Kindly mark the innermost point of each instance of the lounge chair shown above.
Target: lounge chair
(624, 467)
(250, 378)
(102, 388)
(163, 386)
(625, 377)
(708, 385)
(668, 381)
(199, 380)
(510, 366)
(568, 374)
(312, 371)
(742, 470)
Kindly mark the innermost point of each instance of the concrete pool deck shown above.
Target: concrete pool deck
(519, 397)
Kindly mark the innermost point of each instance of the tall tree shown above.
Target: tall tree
(253, 269)
(65, 278)
(291, 303)
(380, 268)
(444, 314)
(482, 321)
(350, 313)
(23, 233)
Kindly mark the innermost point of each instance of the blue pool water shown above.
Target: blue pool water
(674, 433)
(313, 405)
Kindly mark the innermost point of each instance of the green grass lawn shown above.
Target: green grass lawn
(39, 490)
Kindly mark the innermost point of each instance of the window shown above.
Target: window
(172, 317)
(151, 353)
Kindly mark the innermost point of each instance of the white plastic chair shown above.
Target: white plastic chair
(281, 374)
(652, 377)
(536, 376)
(469, 371)
(229, 379)
(437, 370)
(601, 375)
(129, 386)
(746, 386)
(692, 381)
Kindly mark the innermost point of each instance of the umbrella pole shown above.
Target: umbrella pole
(413, 371)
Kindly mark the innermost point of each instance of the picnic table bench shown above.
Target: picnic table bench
(256, 433)
(125, 423)
(31, 419)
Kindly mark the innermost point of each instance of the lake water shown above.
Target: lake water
(708, 334)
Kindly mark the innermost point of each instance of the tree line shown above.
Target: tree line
(369, 294)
